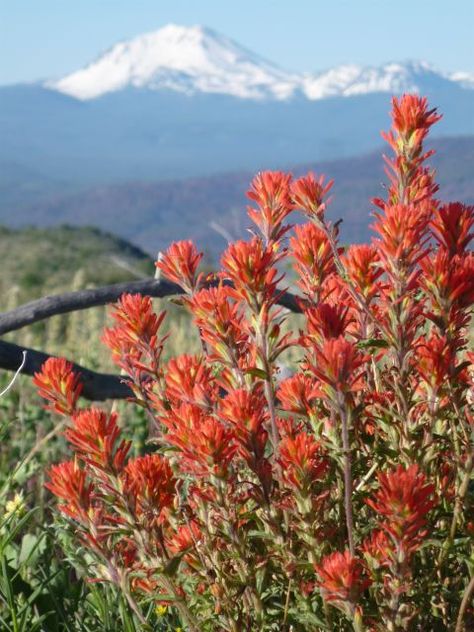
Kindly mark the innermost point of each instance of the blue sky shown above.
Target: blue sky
(48, 38)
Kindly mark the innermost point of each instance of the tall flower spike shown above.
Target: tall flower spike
(296, 394)
(221, 323)
(362, 265)
(69, 483)
(271, 191)
(180, 264)
(435, 361)
(136, 323)
(403, 238)
(411, 121)
(150, 486)
(404, 498)
(452, 227)
(246, 412)
(207, 446)
(342, 581)
(302, 462)
(250, 266)
(314, 259)
(309, 194)
(96, 439)
(58, 384)
(327, 321)
(188, 378)
(339, 364)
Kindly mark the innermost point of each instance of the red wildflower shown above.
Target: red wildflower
(363, 269)
(450, 282)
(69, 482)
(213, 449)
(221, 323)
(314, 260)
(246, 412)
(271, 191)
(342, 580)
(57, 383)
(338, 364)
(206, 445)
(150, 487)
(403, 237)
(188, 378)
(184, 541)
(327, 321)
(136, 331)
(378, 550)
(308, 194)
(296, 394)
(411, 121)
(404, 498)
(250, 266)
(451, 225)
(435, 360)
(302, 462)
(96, 438)
(180, 264)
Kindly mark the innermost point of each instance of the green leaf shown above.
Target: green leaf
(374, 343)
(256, 372)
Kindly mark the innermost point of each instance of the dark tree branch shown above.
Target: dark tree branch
(56, 304)
(83, 299)
(96, 386)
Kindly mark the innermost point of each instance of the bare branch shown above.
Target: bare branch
(48, 306)
(97, 386)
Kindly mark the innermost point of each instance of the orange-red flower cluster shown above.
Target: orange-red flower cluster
(222, 326)
(180, 264)
(250, 265)
(339, 366)
(297, 393)
(411, 122)
(271, 191)
(150, 487)
(69, 482)
(314, 260)
(206, 445)
(309, 194)
(134, 338)
(59, 384)
(188, 378)
(342, 580)
(404, 499)
(363, 268)
(302, 462)
(95, 437)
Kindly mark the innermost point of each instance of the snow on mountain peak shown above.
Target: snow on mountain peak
(197, 59)
(187, 59)
(352, 80)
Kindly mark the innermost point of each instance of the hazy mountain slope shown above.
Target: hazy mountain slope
(153, 214)
(38, 261)
(187, 101)
(147, 135)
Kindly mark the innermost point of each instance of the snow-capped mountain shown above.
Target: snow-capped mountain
(185, 59)
(196, 59)
(351, 80)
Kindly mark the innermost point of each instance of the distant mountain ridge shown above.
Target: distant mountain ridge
(109, 143)
(192, 60)
(153, 214)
